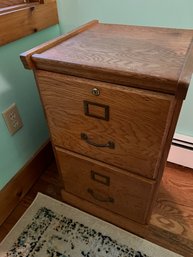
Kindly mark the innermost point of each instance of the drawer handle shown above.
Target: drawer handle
(100, 198)
(84, 137)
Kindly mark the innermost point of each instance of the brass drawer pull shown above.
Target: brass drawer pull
(100, 198)
(84, 137)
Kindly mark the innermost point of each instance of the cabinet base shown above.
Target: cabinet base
(116, 219)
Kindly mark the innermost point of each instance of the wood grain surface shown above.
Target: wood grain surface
(26, 57)
(176, 192)
(145, 57)
(126, 194)
(137, 121)
(27, 20)
(172, 218)
(5, 3)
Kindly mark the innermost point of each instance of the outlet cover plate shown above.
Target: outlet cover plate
(12, 118)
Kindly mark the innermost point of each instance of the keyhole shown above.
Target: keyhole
(95, 91)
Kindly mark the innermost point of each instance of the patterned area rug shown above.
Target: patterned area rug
(50, 228)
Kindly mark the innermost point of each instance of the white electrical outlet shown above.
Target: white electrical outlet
(12, 118)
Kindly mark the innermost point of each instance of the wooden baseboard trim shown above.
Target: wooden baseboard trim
(20, 184)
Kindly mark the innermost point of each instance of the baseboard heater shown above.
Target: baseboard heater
(181, 151)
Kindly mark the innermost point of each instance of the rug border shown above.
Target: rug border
(137, 243)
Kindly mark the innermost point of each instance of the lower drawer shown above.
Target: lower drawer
(106, 186)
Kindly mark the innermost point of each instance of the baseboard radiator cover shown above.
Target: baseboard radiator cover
(181, 151)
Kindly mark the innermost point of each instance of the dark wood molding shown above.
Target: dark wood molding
(6, 3)
(20, 184)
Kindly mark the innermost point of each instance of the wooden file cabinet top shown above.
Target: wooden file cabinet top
(158, 59)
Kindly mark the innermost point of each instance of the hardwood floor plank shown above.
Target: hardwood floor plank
(171, 241)
(171, 223)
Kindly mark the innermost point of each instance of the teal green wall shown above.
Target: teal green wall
(171, 13)
(18, 85)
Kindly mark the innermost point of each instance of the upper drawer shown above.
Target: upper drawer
(130, 128)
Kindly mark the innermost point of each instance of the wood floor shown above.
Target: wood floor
(171, 223)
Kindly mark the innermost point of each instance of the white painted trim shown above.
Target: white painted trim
(183, 137)
(180, 155)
